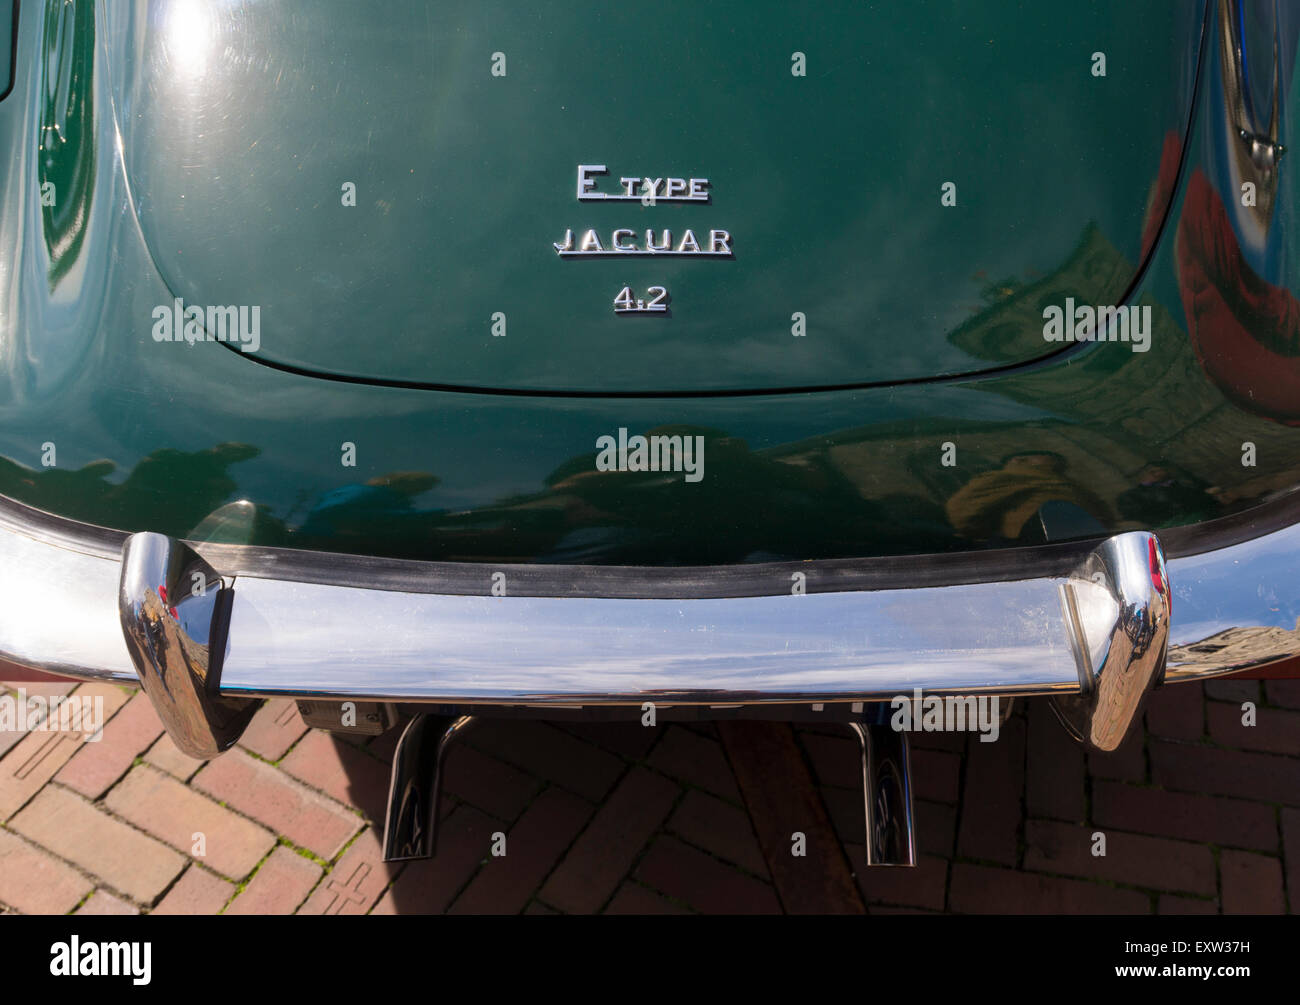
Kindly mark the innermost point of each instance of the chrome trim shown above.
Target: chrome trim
(1118, 613)
(1108, 642)
(1002, 638)
(415, 785)
(175, 613)
(58, 609)
(336, 642)
(887, 793)
(1234, 607)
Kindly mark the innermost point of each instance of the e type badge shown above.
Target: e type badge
(625, 241)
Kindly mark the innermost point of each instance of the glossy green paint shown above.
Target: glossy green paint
(247, 119)
(157, 436)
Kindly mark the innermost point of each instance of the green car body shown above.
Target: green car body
(456, 359)
(207, 155)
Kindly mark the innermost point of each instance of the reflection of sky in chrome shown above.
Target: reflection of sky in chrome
(1257, 586)
(1006, 635)
(336, 640)
(994, 636)
(59, 608)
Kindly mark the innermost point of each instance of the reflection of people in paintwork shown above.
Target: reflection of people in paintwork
(360, 510)
(999, 506)
(169, 491)
(73, 493)
(782, 509)
(176, 489)
(1164, 499)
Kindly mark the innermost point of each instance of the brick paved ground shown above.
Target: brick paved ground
(1199, 814)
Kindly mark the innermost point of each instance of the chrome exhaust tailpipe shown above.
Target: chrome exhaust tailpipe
(415, 787)
(887, 793)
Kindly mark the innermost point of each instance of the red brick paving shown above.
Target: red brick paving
(38, 756)
(936, 774)
(1252, 884)
(274, 730)
(978, 889)
(165, 755)
(1089, 852)
(1127, 764)
(1200, 813)
(634, 899)
(1178, 714)
(1265, 778)
(719, 828)
(343, 772)
(196, 892)
(1274, 731)
(190, 822)
(695, 760)
(355, 882)
(31, 763)
(493, 786)
(429, 886)
(34, 881)
(505, 882)
(260, 791)
(128, 860)
(593, 868)
(103, 902)
(990, 828)
(542, 749)
(1171, 903)
(1055, 777)
(837, 760)
(921, 887)
(1234, 823)
(936, 824)
(95, 767)
(282, 882)
(693, 877)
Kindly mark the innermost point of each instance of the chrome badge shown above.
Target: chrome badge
(626, 241)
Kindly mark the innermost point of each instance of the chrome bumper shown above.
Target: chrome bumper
(1096, 633)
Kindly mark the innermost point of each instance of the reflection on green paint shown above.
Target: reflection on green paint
(66, 159)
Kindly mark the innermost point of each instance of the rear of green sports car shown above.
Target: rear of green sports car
(459, 359)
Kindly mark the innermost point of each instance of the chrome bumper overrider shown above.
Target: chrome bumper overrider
(1096, 636)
